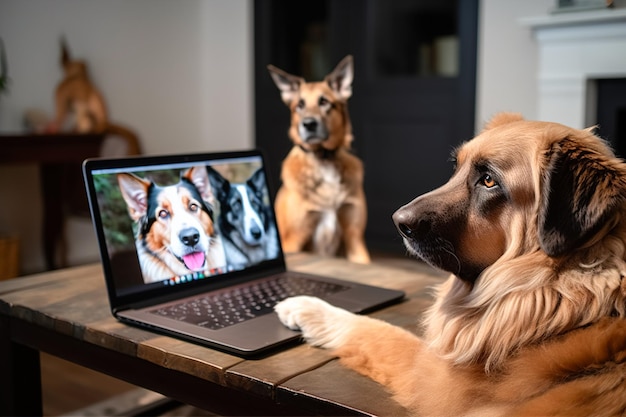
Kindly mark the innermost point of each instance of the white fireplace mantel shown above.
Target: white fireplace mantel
(575, 49)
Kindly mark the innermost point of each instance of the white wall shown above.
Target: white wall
(177, 72)
(507, 58)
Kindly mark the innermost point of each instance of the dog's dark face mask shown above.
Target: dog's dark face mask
(453, 228)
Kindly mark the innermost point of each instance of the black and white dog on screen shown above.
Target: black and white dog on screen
(245, 221)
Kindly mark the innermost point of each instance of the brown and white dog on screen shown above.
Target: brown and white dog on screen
(175, 233)
(321, 203)
(532, 321)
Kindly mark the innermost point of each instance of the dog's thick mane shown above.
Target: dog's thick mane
(489, 328)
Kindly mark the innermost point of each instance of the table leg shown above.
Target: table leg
(52, 183)
(20, 373)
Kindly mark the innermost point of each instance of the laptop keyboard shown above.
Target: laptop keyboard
(224, 309)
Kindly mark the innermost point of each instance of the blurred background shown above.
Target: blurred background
(190, 76)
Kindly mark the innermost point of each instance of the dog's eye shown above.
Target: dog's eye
(193, 207)
(163, 214)
(323, 101)
(300, 104)
(488, 181)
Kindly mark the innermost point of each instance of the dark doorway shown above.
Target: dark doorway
(413, 91)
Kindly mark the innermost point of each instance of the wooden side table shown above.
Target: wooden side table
(59, 157)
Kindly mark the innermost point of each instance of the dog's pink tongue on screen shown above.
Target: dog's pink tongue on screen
(194, 261)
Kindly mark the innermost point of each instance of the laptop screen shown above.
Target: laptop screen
(167, 223)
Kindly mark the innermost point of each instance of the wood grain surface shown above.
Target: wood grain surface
(73, 302)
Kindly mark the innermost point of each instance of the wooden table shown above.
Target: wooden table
(65, 313)
(59, 157)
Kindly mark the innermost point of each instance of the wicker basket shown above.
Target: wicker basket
(9, 257)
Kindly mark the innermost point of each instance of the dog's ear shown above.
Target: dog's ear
(257, 182)
(340, 80)
(219, 183)
(289, 85)
(503, 118)
(65, 52)
(135, 193)
(200, 179)
(582, 189)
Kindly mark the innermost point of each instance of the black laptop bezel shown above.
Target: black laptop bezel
(119, 302)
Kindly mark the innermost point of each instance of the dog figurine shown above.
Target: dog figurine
(80, 106)
(175, 233)
(321, 202)
(245, 220)
(532, 227)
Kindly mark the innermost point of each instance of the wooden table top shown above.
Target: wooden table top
(73, 302)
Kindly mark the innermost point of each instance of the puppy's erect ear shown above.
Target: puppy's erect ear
(582, 189)
(135, 193)
(340, 80)
(289, 85)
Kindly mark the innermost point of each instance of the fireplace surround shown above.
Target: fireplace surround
(576, 50)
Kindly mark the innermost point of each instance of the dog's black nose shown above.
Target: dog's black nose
(408, 226)
(189, 236)
(400, 219)
(256, 232)
(310, 124)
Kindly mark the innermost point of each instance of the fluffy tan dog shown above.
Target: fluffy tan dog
(321, 203)
(80, 106)
(532, 228)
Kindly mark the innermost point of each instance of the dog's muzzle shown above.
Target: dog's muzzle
(312, 131)
(421, 239)
(431, 235)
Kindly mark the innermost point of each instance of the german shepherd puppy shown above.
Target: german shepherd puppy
(245, 220)
(321, 203)
(175, 234)
(532, 320)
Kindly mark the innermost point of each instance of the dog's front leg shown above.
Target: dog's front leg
(352, 219)
(293, 223)
(361, 342)
(295, 232)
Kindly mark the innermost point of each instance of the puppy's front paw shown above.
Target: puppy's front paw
(321, 323)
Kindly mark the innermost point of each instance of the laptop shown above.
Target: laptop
(190, 248)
